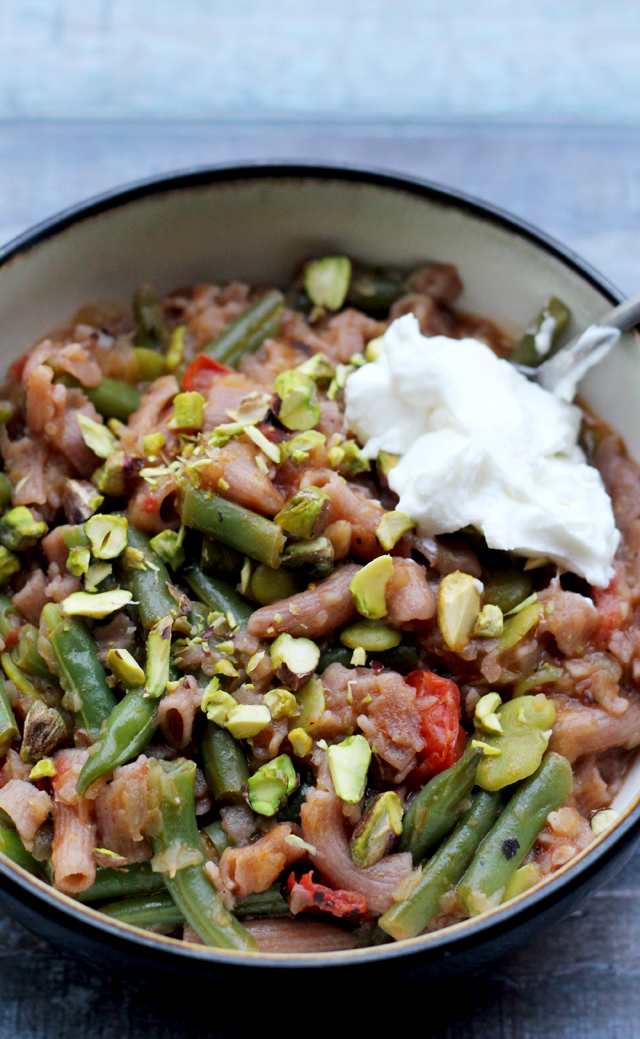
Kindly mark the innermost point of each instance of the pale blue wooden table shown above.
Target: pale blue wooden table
(580, 980)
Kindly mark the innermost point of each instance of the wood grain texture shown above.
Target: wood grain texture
(582, 979)
(575, 59)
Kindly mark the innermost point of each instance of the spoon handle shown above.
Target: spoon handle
(625, 316)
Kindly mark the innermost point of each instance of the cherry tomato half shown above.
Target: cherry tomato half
(438, 700)
(201, 372)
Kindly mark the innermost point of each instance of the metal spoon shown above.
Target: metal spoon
(561, 373)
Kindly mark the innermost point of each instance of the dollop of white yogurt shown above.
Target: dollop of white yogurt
(481, 445)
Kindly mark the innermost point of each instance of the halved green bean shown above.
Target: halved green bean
(543, 332)
(81, 673)
(27, 656)
(151, 912)
(14, 849)
(515, 833)
(216, 836)
(247, 531)
(218, 594)
(127, 732)
(225, 765)
(138, 879)
(8, 727)
(171, 784)
(148, 586)
(439, 806)
(9, 615)
(409, 918)
(147, 311)
(248, 332)
(113, 398)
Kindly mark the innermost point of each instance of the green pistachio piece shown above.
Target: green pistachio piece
(269, 787)
(153, 443)
(298, 408)
(80, 501)
(526, 729)
(247, 720)
(319, 368)
(458, 609)
(348, 459)
(78, 561)
(268, 585)
(516, 627)
(306, 514)
(108, 535)
(189, 411)
(374, 348)
(168, 545)
(44, 730)
(111, 478)
(295, 660)
(311, 704)
(9, 564)
(125, 667)
(369, 585)
(379, 830)
(523, 879)
(158, 653)
(485, 717)
(349, 765)
(601, 821)
(326, 281)
(392, 527)
(298, 447)
(97, 437)
(316, 557)
(374, 636)
(490, 623)
(20, 530)
(81, 604)
(281, 703)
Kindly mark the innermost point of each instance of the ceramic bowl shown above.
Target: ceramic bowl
(256, 224)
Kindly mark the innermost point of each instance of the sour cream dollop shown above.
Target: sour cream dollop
(481, 445)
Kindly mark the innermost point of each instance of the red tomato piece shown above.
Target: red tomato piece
(438, 700)
(201, 373)
(304, 894)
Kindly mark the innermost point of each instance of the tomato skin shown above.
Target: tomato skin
(201, 372)
(438, 700)
(305, 894)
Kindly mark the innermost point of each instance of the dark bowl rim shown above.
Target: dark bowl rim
(467, 934)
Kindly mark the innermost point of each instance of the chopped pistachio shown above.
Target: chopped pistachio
(44, 769)
(601, 821)
(391, 528)
(319, 368)
(458, 609)
(222, 484)
(44, 730)
(158, 653)
(255, 660)
(484, 717)
(295, 660)
(111, 478)
(78, 561)
(269, 787)
(108, 535)
(379, 830)
(97, 437)
(168, 545)
(176, 348)
(80, 500)
(298, 408)
(348, 459)
(81, 604)
(225, 667)
(245, 575)
(316, 557)
(268, 448)
(522, 880)
(96, 573)
(359, 657)
(189, 411)
(312, 704)
(369, 585)
(519, 625)
(301, 742)
(374, 348)
(281, 703)
(326, 281)
(490, 623)
(385, 462)
(339, 381)
(9, 564)
(372, 636)
(247, 720)
(152, 444)
(489, 751)
(298, 842)
(536, 562)
(349, 765)
(125, 667)
(20, 530)
(526, 729)
(216, 704)
(299, 446)
(306, 514)
(523, 605)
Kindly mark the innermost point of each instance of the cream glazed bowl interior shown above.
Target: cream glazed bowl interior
(256, 224)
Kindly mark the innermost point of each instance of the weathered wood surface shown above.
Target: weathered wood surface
(580, 980)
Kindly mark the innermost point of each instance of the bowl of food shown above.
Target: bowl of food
(317, 617)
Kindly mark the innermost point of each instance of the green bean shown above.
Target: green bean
(409, 918)
(27, 656)
(515, 833)
(113, 398)
(151, 364)
(225, 765)
(248, 532)
(439, 805)
(215, 835)
(9, 615)
(249, 331)
(127, 732)
(14, 849)
(81, 673)
(507, 588)
(171, 786)
(335, 655)
(218, 594)
(149, 586)
(147, 311)
(6, 490)
(263, 903)
(138, 879)
(553, 316)
(151, 912)
(8, 728)
(373, 290)
(16, 674)
(216, 556)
